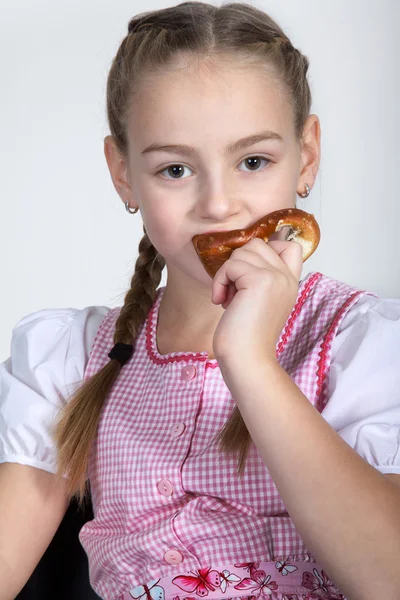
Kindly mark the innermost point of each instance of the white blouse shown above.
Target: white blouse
(50, 349)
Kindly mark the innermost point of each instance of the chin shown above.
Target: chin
(193, 271)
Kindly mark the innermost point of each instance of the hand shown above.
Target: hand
(258, 287)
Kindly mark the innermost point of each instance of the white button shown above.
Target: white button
(188, 372)
(177, 429)
(165, 487)
(173, 557)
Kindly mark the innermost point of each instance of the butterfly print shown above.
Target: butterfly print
(152, 591)
(259, 583)
(284, 568)
(226, 579)
(320, 585)
(201, 583)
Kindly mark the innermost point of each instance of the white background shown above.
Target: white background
(66, 239)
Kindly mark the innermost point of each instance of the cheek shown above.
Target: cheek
(286, 182)
(164, 233)
(176, 246)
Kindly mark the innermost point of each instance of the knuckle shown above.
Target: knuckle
(257, 242)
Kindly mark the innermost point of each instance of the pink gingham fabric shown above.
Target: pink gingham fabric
(169, 508)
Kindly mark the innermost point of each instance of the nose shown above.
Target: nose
(216, 201)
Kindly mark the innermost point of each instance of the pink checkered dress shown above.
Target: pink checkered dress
(172, 519)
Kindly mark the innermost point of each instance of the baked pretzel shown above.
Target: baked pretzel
(214, 249)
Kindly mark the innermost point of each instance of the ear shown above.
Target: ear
(310, 152)
(119, 171)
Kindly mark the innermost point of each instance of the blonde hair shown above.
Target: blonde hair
(153, 40)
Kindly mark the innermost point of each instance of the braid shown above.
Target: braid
(283, 42)
(140, 297)
(287, 50)
(77, 424)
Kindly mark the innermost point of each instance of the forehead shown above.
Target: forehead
(205, 100)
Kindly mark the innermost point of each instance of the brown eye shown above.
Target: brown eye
(253, 162)
(174, 170)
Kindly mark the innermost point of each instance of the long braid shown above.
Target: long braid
(140, 297)
(77, 424)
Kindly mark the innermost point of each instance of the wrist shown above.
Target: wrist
(249, 368)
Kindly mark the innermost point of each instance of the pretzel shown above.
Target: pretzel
(213, 249)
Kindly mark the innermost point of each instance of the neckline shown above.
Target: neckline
(151, 339)
(152, 321)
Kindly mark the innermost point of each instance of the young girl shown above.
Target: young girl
(238, 436)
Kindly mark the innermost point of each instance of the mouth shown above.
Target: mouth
(282, 234)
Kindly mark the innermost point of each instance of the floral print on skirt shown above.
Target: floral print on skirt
(280, 580)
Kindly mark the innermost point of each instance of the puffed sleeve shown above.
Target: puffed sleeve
(49, 352)
(364, 385)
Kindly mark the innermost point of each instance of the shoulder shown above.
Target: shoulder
(364, 373)
(371, 320)
(48, 356)
(368, 313)
(54, 342)
(60, 318)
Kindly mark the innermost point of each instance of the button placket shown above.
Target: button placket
(173, 556)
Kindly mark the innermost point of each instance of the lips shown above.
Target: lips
(220, 230)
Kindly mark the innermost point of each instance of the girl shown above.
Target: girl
(235, 434)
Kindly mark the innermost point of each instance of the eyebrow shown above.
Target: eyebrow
(239, 145)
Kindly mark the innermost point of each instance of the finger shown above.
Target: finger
(291, 253)
(257, 252)
(231, 292)
(269, 252)
(221, 282)
(254, 256)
